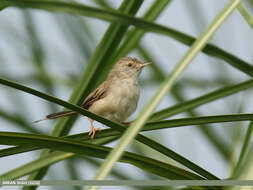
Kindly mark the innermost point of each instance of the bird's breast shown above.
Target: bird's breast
(125, 98)
(120, 102)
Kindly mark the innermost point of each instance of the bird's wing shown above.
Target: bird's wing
(99, 93)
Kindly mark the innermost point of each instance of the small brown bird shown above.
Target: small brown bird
(114, 99)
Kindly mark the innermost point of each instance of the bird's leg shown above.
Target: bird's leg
(92, 129)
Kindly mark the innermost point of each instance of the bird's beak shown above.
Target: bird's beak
(145, 64)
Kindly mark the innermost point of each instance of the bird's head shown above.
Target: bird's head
(128, 67)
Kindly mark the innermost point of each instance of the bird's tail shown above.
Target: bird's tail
(57, 115)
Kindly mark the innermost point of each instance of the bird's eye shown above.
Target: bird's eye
(130, 64)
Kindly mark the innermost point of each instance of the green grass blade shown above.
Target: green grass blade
(245, 15)
(190, 104)
(245, 147)
(133, 130)
(246, 143)
(245, 173)
(15, 150)
(73, 146)
(113, 16)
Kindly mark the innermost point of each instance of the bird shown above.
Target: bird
(116, 98)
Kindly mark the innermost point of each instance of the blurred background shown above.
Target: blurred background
(49, 52)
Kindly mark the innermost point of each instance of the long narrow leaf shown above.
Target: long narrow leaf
(104, 136)
(196, 102)
(197, 121)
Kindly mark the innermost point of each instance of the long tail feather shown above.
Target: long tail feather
(57, 115)
(60, 114)
(37, 121)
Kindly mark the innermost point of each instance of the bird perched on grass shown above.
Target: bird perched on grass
(116, 98)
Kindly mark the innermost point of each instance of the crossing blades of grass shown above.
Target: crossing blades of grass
(98, 151)
(178, 95)
(134, 36)
(244, 149)
(183, 122)
(113, 16)
(151, 143)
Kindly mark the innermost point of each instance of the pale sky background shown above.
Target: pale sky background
(235, 36)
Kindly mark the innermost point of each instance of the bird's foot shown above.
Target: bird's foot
(93, 132)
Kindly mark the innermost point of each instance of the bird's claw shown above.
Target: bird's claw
(93, 132)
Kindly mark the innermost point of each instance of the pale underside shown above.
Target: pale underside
(115, 100)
